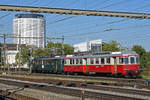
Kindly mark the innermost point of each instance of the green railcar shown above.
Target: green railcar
(48, 65)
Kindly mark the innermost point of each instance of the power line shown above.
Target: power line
(114, 21)
(63, 19)
(5, 15)
(105, 30)
(113, 4)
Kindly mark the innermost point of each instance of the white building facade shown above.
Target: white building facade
(94, 46)
(31, 29)
(11, 57)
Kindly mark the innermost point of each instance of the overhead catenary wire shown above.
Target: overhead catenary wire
(94, 26)
(105, 30)
(114, 4)
(111, 5)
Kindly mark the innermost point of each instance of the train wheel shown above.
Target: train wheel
(75, 74)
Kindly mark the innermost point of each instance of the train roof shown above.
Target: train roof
(47, 57)
(104, 54)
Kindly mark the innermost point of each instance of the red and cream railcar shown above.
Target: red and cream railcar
(114, 63)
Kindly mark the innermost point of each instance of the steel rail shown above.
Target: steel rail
(5, 95)
(74, 91)
(143, 82)
(73, 11)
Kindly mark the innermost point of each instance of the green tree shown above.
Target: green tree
(144, 59)
(111, 46)
(68, 49)
(0, 57)
(148, 65)
(139, 50)
(24, 56)
(40, 52)
(57, 48)
(144, 56)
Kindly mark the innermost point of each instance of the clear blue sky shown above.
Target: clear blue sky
(80, 28)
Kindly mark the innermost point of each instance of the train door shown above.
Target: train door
(84, 65)
(115, 65)
(56, 64)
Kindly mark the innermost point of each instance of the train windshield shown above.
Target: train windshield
(137, 60)
(132, 60)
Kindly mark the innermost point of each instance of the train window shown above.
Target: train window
(92, 61)
(50, 62)
(81, 61)
(46, 62)
(126, 61)
(132, 60)
(65, 62)
(77, 61)
(39, 62)
(97, 61)
(137, 60)
(121, 60)
(108, 60)
(73, 61)
(62, 61)
(36, 62)
(70, 61)
(102, 61)
(33, 62)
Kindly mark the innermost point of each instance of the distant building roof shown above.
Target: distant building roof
(88, 46)
(29, 16)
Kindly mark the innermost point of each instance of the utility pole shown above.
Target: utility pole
(19, 52)
(62, 45)
(30, 59)
(101, 46)
(5, 36)
(62, 39)
(4, 50)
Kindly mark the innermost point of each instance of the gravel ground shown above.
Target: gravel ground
(38, 94)
(43, 95)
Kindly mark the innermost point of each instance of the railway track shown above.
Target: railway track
(142, 83)
(112, 91)
(6, 95)
(74, 91)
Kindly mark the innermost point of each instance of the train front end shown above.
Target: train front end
(131, 65)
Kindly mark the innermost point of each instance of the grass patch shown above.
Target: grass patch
(145, 77)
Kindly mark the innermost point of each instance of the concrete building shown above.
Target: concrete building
(31, 29)
(11, 57)
(11, 51)
(94, 46)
